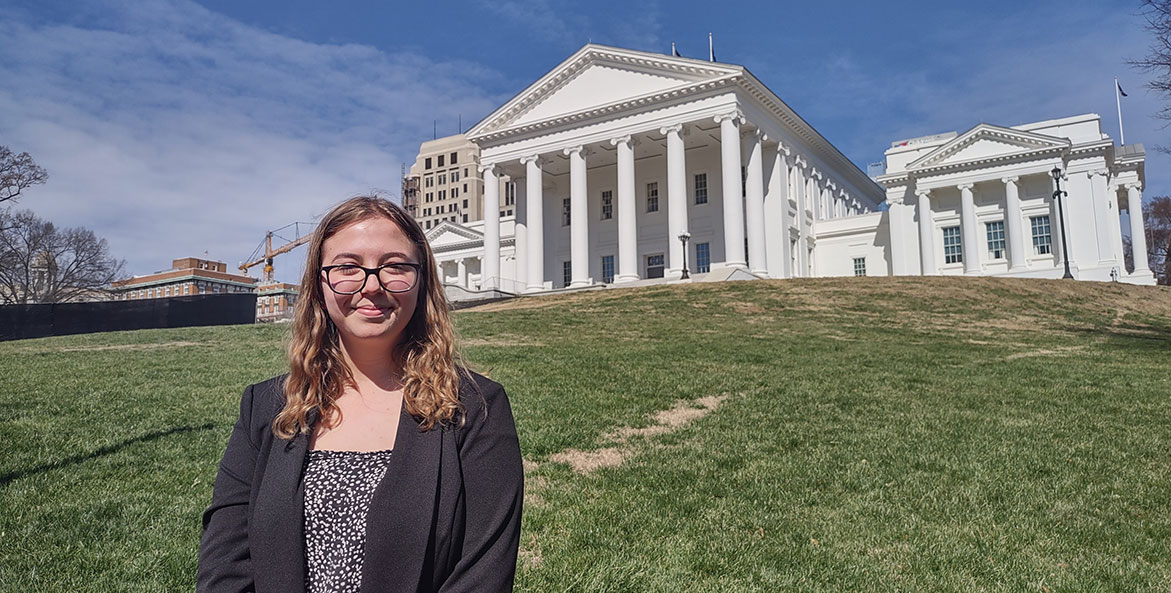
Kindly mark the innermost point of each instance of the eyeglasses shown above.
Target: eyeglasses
(351, 279)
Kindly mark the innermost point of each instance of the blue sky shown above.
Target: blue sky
(176, 127)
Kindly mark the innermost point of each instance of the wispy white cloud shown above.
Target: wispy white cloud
(171, 130)
(1006, 75)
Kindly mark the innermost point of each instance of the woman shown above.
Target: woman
(378, 463)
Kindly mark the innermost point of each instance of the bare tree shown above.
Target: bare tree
(42, 264)
(17, 173)
(1157, 223)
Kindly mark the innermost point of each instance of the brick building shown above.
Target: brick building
(274, 301)
(187, 276)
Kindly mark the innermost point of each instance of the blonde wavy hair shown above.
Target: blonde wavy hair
(318, 373)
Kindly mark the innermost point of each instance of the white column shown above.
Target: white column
(926, 233)
(520, 239)
(676, 198)
(1056, 245)
(801, 185)
(627, 225)
(754, 202)
(462, 274)
(535, 213)
(579, 231)
(1018, 258)
(1114, 205)
(968, 229)
(776, 210)
(1138, 233)
(733, 202)
(897, 221)
(490, 268)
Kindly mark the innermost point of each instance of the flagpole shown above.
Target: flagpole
(1118, 101)
(711, 50)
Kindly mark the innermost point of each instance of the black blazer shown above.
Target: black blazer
(446, 516)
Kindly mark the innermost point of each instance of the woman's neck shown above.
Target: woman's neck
(373, 365)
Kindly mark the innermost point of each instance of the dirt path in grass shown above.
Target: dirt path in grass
(681, 414)
(625, 440)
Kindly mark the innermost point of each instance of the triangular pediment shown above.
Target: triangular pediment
(987, 142)
(598, 78)
(449, 233)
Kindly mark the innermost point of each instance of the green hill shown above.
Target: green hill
(867, 434)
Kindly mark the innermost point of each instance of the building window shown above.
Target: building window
(510, 193)
(455, 192)
(442, 194)
(652, 197)
(607, 205)
(428, 181)
(465, 204)
(953, 249)
(703, 258)
(566, 273)
(454, 156)
(430, 196)
(465, 188)
(439, 160)
(427, 163)
(465, 217)
(859, 266)
(455, 173)
(565, 212)
(465, 171)
(995, 229)
(701, 188)
(1042, 239)
(427, 225)
(654, 266)
(442, 178)
(186, 289)
(607, 269)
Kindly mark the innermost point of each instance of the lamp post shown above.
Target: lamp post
(683, 237)
(1057, 194)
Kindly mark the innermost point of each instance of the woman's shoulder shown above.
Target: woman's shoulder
(268, 396)
(474, 384)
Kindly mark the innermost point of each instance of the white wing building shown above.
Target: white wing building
(616, 154)
(982, 202)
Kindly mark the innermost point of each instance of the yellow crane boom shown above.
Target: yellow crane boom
(270, 253)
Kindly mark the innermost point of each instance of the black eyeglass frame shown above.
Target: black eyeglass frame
(373, 272)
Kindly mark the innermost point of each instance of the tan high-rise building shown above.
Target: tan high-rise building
(446, 184)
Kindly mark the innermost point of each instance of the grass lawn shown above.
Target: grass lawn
(870, 434)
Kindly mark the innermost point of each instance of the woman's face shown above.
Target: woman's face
(372, 315)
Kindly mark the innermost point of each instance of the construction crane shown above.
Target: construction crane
(269, 253)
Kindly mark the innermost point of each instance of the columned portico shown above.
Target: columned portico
(660, 167)
(676, 197)
(971, 235)
(1017, 256)
(490, 270)
(579, 232)
(732, 189)
(535, 207)
(926, 233)
(1138, 233)
(627, 224)
(754, 203)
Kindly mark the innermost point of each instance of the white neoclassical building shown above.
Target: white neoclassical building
(982, 202)
(606, 161)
